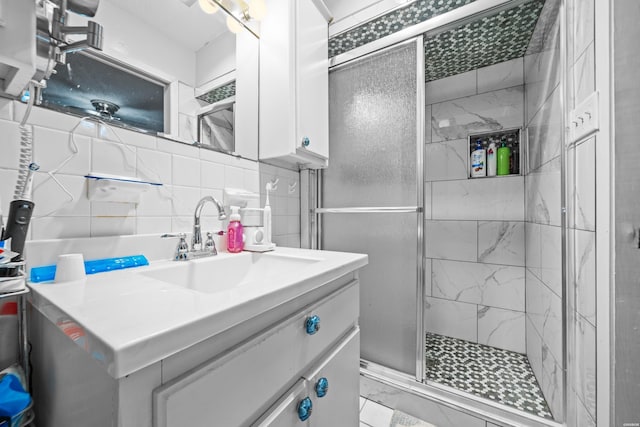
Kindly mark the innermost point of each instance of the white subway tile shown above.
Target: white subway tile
(185, 200)
(234, 177)
(60, 227)
(154, 166)
(112, 158)
(53, 147)
(10, 149)
(8, 178)
(113, 226)
(153, 225)
(50, 198)
(112, 209)
(174, 147)
(44, 117)
(185, 171)
(211, 175)
(125, 136)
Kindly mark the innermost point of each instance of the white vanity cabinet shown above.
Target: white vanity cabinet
(294, 84)
(317, 347)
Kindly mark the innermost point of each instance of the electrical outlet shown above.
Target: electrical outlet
(583, 121)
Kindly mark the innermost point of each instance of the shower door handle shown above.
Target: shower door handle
(380, 209)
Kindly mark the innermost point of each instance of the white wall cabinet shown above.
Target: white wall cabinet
(294, 84)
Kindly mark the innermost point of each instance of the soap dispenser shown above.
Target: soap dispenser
(235, 238)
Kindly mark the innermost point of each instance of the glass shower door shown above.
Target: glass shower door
(371, 195)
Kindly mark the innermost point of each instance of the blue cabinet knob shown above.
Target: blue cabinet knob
(304, 409)
(306, 141)
(312, 324)
(322, 387)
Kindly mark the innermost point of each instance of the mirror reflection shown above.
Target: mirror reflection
(167, 67)
(215, 127)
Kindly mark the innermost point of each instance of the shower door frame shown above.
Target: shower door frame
(418, 209)
(312, 225)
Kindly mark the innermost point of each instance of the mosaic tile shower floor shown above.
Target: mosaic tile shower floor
(500, 375)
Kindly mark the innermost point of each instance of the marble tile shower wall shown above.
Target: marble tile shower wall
(581, 215)
(186, 172)
(474, 228)
(543, 231)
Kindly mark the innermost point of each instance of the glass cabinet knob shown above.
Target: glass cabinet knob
(312, 324)
(322, 387)
(306, 141)
(304, 409)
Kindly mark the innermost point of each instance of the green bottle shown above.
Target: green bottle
(504, 154)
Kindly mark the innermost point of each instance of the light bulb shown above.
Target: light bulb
(208, 6)
(234, 26)
(257, 9)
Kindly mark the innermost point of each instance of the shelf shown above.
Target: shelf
(14, 294)
(112, 188)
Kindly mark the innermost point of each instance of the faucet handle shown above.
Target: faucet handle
(182, 250)
(210, 244)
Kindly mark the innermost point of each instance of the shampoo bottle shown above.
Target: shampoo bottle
(504, 156)
(235, 238)
(478, 161)
(491, 159)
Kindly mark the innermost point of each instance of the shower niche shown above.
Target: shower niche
(512, 139)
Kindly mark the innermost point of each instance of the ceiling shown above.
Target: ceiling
(187, 25)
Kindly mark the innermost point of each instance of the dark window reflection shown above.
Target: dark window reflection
(140, 102)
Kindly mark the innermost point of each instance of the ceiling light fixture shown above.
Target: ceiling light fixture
(240, 13)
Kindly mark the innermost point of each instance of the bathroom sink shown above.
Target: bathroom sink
(227, 271)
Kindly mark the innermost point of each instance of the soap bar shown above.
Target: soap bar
(48, 272)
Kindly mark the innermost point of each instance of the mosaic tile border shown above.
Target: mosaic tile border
(490, 40)
(218, 94)
(500, 375)
(390, 23)
(487, 41)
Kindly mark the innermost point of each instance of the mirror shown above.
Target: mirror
(215, 127)
(200, 66)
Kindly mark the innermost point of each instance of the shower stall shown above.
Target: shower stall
(463, 299)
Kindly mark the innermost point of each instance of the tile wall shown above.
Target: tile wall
(543, 232)
(581, 215)
(187, 174)
(474, 228)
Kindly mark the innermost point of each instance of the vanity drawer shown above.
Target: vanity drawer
(237, 386)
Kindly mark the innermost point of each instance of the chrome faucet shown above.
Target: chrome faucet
(196, 240)
(197, 250)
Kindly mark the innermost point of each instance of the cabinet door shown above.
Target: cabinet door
(339, 378)
(312, 75)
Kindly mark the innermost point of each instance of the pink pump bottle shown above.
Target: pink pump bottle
(235, 237)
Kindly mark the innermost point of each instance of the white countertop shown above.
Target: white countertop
(130, 320)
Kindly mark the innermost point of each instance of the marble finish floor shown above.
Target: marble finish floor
(500, 375)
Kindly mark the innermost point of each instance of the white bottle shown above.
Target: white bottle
(478, 161)
(491, 159)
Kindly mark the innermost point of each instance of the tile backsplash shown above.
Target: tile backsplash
(186, 172)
